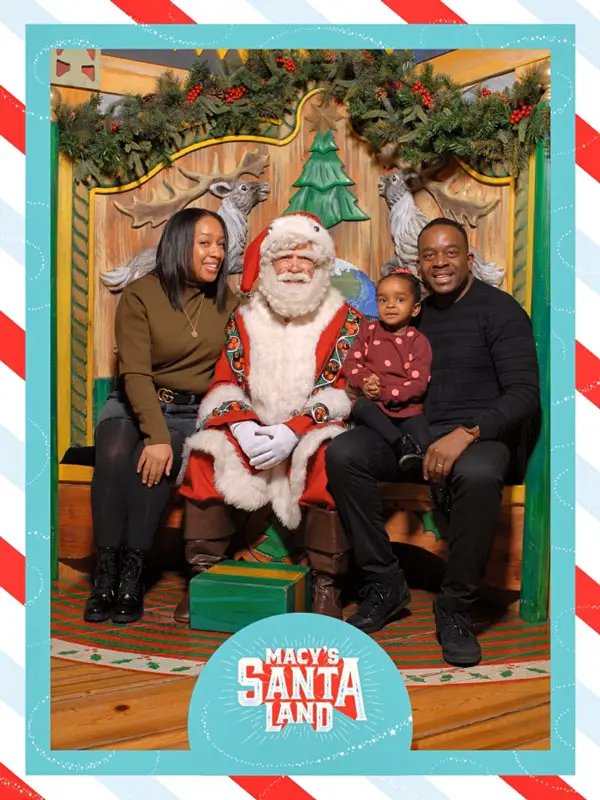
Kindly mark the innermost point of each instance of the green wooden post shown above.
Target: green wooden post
(53, 432)
(536, 537)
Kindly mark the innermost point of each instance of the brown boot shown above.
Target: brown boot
(207, 534)
(327, 550)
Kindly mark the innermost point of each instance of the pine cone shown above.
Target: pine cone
(329, 56)
(148, 98)
(380, 92)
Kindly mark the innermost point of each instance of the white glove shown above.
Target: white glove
(278, 441)
(248, 437)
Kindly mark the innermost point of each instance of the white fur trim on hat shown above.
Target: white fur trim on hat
(293, 229)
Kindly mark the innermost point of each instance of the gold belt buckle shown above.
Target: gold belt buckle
(165, 395)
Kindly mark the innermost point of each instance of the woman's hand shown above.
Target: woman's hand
(372, 387)
(156, 460)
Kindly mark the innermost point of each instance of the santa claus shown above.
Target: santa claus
(276, 400)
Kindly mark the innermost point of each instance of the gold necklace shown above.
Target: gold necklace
(193, 324)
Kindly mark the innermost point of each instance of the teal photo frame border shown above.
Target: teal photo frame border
(41, 39)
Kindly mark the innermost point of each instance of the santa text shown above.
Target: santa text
(301, 685)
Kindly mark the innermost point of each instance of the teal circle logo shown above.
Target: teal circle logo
(302, 693)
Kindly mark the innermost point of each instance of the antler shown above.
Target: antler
(461, 206)
(163, 205)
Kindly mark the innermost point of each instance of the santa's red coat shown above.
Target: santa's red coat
(274, 371)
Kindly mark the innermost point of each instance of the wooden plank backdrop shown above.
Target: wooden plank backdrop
(366, 244)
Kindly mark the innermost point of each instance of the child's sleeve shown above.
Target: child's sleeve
(354, 370)
(413, 387)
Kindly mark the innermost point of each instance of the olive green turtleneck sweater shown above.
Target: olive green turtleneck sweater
(156, 348)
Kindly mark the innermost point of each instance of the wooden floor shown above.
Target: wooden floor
(104, 708)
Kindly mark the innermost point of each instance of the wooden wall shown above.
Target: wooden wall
(366, 244)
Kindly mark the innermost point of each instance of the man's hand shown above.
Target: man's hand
(372, 387)
(278, 442)
(442, 455)
(155, 460)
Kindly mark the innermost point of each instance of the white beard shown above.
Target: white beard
(292, 300)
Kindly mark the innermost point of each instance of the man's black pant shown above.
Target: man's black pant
(359, 459)
(366, 412)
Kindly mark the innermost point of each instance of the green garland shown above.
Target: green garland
(417, 116)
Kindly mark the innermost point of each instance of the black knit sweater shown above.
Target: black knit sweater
(484, 369)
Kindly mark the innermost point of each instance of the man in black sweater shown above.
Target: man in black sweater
(484, 385)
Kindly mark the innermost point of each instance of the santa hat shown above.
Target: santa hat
(290, 230)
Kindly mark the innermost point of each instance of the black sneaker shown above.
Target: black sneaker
(99, 604)
(442, 500)
(411, 456)
(129, 602)
(380, 603)
(456, 635)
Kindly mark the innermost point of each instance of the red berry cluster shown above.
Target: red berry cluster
(288, 63)
(114, 126)
(486, 92)
(368, 56)
(518, 114)
(426, 98)
(193, 93)
(233, 94)
(397, 84)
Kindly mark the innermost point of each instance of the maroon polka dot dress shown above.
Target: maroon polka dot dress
(402, 362)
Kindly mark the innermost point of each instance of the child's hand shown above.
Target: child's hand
(372, 387)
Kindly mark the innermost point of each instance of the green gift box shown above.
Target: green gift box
(233, 594)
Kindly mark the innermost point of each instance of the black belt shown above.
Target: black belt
(178, 398)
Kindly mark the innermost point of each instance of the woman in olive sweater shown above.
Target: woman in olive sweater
(170, 330)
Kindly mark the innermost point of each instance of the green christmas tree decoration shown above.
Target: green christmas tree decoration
(323, 185)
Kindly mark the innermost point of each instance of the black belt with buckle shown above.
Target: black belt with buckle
(178, 398)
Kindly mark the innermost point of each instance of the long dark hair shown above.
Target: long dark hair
(175, 257)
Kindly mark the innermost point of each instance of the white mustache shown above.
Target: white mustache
(293, 277)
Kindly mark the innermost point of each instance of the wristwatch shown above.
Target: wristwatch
(474, 431)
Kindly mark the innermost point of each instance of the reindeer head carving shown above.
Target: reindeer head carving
(165, 200)
(395, 186)
(241, 195)
(465, 205)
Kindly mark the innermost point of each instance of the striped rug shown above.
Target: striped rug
(512, 649)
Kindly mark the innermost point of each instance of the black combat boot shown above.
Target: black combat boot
(129, 600)
(99, 604)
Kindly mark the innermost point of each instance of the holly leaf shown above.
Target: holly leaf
(522, 129)
(416, 678)
(445, 678)
(421, 114)
(95, 657)
(409, 137)
(180, 669)
(152, 665)
(540, 671)
(506, 673)
(377, 113)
